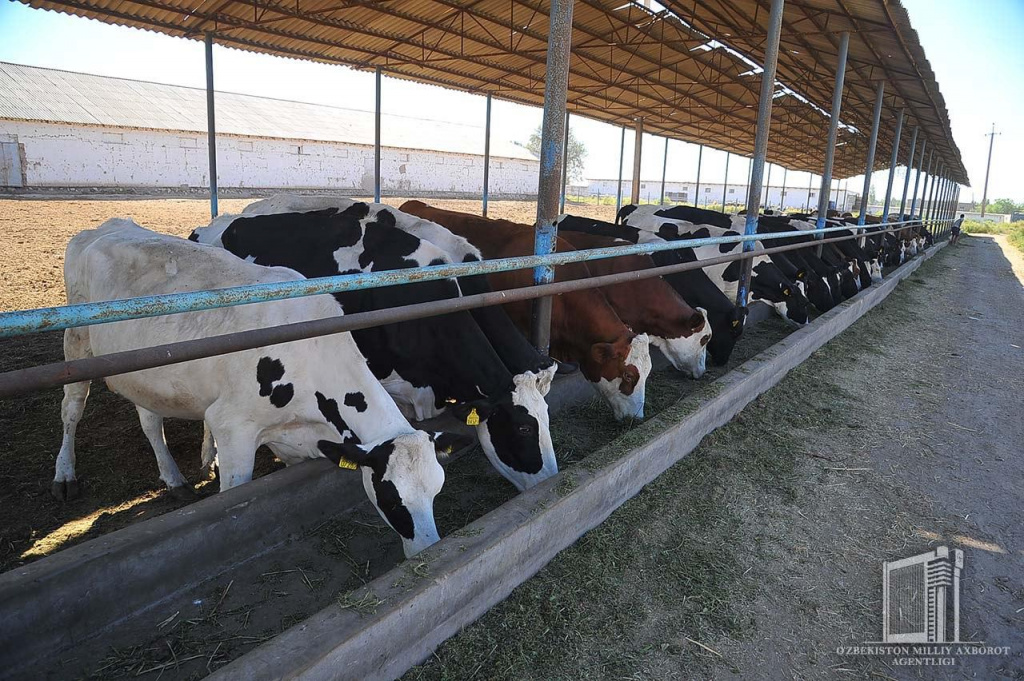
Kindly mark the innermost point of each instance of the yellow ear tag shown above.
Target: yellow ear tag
(345, 463)
(473, 419)
(785, 292)
(735, 323)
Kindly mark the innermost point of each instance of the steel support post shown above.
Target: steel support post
(487, 154)
(376, 140)
(931, 192)
(910, 170)
(700, 157)
(872, 148)
(764, 119)
(766, 200)
(927, 177)
(622, 161)
(917, 178)
(725, 185)
(810, 186)
(664, 169)
(833, 130)
(892, 167)
(782, 194)
(211, 127)
(634, 193)
(565, 164)
(556, 85)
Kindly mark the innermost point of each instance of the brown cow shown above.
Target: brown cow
(584, 327)
(651, 306)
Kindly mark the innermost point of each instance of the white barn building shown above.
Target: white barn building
(64, 130)
(792, 198)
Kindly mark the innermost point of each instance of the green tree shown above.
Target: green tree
(1004, 206)
(577, 153)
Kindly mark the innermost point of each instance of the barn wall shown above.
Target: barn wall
(84, 156)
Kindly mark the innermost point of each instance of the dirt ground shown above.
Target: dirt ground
(760, 555)
(36, 232)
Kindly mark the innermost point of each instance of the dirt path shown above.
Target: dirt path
(760, 554)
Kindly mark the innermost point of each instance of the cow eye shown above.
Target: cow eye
(525, 429)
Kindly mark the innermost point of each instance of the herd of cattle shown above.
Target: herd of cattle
(350, 397)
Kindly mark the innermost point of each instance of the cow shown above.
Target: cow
(305, 399)
(428, 365)
(651, 306)
(726, 319)
(584, 327)
(767, 282)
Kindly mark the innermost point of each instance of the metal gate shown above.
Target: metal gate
(10, 162)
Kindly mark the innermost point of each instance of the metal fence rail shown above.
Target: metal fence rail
(62, 373)
(23, 322)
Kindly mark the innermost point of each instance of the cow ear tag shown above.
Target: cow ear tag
(345, 463)
(785, 292)
(473, 419)
(735, 323)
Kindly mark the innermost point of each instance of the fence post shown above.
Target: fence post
(211, 127)
(892, 167)
(556, 86)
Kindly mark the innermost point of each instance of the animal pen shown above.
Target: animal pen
(768, 82)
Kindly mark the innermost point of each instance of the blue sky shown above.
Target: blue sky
(974, 47)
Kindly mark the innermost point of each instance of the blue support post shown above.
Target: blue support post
(872, 147)
(211, 127)
(622, 161)
(552, 150)
(910, 170)
(833, 130)
(487, 154)
(892, 167)
(764, 119)
(376, 142)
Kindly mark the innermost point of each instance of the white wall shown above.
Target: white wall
(84, 156)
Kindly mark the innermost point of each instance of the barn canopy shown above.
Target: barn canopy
(691, 72)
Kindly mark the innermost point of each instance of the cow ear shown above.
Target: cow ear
(344, 454)
(447, 443)
(696, 321)
(472, 413)
(602, 352)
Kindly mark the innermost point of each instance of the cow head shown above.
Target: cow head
(875, 270)
(514, 430)
(725, 331)
(819, 294)
(688, 353)
(401, 476)
(619, 372)
(770, 286)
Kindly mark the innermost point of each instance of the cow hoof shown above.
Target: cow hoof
(64, 490)
(182, 493)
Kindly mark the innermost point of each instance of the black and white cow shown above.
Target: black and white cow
(305, 399)
(726, 319)
(767, 282)
(430, 364)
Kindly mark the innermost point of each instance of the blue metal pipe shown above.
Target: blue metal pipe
(23, 322)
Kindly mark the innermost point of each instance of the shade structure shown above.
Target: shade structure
(689, 69)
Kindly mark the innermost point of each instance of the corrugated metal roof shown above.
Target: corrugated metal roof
(38, 94)
(684, 66)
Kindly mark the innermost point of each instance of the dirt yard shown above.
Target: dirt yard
(760, 554)
(36, 233)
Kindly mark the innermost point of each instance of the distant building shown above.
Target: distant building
(795, 198)
(60, 129)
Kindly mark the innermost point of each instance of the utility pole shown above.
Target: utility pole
(984, 195)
